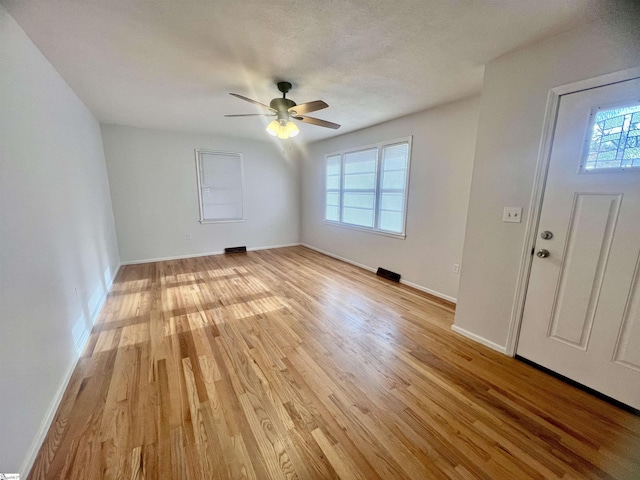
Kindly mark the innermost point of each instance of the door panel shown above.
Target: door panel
(591, 228)
(627, 352)
(582, 311)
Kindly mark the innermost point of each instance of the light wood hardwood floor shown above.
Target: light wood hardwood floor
(285, 363)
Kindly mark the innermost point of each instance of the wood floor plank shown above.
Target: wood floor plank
(287, 364)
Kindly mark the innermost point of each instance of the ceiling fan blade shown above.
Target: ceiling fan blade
(308, 107)
(317, 121)
(252, 115)
(251, 101)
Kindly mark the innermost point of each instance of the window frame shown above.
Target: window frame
(379, 146)
(198, 156)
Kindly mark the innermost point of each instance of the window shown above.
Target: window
(219, 186)
(614, 140)
(359, 187)
(367, 188)
(334, 174)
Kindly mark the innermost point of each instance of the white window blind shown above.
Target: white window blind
(220, 186)
(393, 185)
(334, 170)
(367, 187)
(359, 187)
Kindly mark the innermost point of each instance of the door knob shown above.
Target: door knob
(542, 253)
(546, 235)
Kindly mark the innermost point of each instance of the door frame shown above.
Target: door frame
(537, 195)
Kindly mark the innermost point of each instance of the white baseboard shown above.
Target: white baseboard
(251, 249)
(175, 257)
(479, 339)
(338, 257)
(430, 292)
(371, 269)
(27, 464)
(46, 423)
(206, 254)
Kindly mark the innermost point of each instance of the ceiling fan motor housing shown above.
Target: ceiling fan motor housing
(282, 106)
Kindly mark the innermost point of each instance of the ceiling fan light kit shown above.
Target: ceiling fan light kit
(282, 129)
(285, 109)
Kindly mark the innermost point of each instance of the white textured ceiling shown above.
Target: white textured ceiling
(169, 64)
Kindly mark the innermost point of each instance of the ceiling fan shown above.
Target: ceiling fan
(285, 109)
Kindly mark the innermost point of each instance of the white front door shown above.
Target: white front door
(582, 309)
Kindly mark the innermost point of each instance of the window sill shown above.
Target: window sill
(400, 236)
(237, 220)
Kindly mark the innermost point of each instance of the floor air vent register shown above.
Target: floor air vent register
(235, 250)
(388, 274)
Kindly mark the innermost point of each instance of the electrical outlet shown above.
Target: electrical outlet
(188, 236)
(456, 268)
(512, 214)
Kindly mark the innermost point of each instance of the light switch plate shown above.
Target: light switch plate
(512, 214)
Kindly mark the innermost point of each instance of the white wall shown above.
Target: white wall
(510, 129)
(56, 235)
(441, 165)
(155, 197)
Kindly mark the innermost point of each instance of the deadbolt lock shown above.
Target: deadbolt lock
(546, 235)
